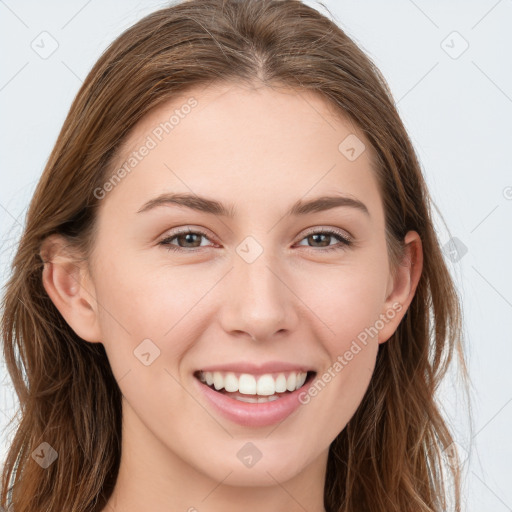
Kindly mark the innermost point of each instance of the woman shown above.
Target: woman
(252, 368)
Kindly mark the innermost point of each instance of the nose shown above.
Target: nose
(259, 303)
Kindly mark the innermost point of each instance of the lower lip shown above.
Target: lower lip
(253, 415)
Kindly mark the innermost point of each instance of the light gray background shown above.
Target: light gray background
(456, 105)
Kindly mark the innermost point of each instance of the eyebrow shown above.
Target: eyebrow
(206, 205)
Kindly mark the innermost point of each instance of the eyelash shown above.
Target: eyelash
(344, 241)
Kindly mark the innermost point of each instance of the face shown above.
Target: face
(254, 298)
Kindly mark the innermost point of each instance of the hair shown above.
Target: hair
(390, 455)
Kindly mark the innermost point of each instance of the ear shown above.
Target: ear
(402, 287)
(68, 284)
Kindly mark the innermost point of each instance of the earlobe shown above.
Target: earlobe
(67, 283)
(403, 285)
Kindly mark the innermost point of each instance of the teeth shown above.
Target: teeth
(267, 399)
(248, 399)
(218, 380)
(230, 382)
(254, 400)
(291, 382)
(247, 384)
(265, 385)
(281, 383)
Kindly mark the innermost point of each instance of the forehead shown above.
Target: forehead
(251, 144)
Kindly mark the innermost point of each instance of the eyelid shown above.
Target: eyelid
(174, 232)
(205, 232)
(340, 232)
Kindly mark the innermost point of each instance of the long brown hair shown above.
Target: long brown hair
(389, 458)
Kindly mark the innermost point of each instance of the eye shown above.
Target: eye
(188, 240)
(322, 235)
(189, 237)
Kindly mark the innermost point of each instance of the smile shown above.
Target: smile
(262, 388)
(254, 399)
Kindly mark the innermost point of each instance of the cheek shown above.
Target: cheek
(135, 306)
(346, 299)
(166, 304)
(350, 306)
(133, 296)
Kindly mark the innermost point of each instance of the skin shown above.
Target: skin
(261, 150)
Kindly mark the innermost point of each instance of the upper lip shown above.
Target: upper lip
(257, 369)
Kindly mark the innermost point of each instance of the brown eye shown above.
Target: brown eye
(187, 240)
(190, 241)
(323, 238)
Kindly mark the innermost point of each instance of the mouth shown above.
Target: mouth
(255, 389)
